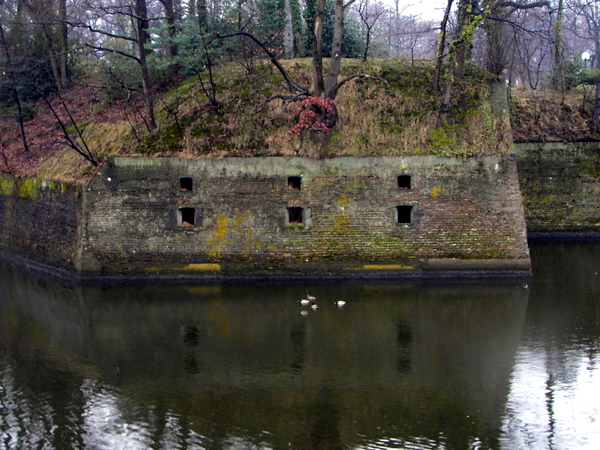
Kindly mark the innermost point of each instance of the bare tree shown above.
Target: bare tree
(369, 14)
(588, 17)
(471, 14)
(531, 49)
(50, 18)
(12, 76)
(99, 22)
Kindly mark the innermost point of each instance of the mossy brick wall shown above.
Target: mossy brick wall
(39, 219)
(462, 211)
(560, 183)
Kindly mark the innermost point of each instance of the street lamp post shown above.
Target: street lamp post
(585, 57)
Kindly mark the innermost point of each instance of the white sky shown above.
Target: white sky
(427, 9)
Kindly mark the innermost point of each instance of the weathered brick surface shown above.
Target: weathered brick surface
(561, 186)
(39, 220)
(462, 211)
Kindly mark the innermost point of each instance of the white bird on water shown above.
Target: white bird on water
(314, 306)
(304, 301)
(310, 297)
(339, 303)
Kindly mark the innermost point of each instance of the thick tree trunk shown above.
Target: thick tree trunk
(171, 28)
(318, 82)
(336, 50)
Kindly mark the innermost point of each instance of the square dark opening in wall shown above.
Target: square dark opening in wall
(186, 217)
(404, 181)
(186, 184)
(295, 215)
(404, 214)
(295, 183)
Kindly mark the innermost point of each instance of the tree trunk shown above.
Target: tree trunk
(368, 41)
(441, 47)
(336, 50)
(558, 46)
(15, 91)
(171, 28)
(595, 128)
(288, 31)
(63, 44)
(318, 82)
(141, 25)
(496, 60)
(202, 11)
(596, 120)
(297, 29)
(52, 58)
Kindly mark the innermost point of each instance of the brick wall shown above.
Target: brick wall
(561, 186)
(39, 220)
(455, 215)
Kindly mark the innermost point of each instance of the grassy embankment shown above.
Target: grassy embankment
(397, 117)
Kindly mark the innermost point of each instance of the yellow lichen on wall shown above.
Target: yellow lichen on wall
(7, 186)
(218, 240)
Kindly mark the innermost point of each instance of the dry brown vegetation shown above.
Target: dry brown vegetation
(396, 114)
(551, 116)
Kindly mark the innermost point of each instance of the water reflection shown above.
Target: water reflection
(238, 366)
(555, 388)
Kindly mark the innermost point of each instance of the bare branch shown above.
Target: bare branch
(292, 85)
(112, 50)
(287, 98)
(515, 5)
(358, 75)
(104, 33)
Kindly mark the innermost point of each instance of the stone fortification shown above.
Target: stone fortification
(561, 186)
(39, 220)
(375, 216)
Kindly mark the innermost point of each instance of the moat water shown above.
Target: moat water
(402, 365)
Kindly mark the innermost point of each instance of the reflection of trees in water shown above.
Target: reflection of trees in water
(241, 359)
(548, 402)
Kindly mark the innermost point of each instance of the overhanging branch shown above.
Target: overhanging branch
(292, 85)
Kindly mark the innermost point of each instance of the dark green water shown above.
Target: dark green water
(239, 366)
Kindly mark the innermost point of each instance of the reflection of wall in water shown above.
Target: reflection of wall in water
(393, 351)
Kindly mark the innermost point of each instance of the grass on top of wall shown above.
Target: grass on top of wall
(393, 113)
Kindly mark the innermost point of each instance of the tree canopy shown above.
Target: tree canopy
(131, 51)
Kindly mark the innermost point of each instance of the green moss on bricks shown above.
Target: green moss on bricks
(7, 186)
(27, 188)
(477, 255)
(589, 168)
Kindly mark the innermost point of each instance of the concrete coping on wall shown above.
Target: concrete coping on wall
(341, 164)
